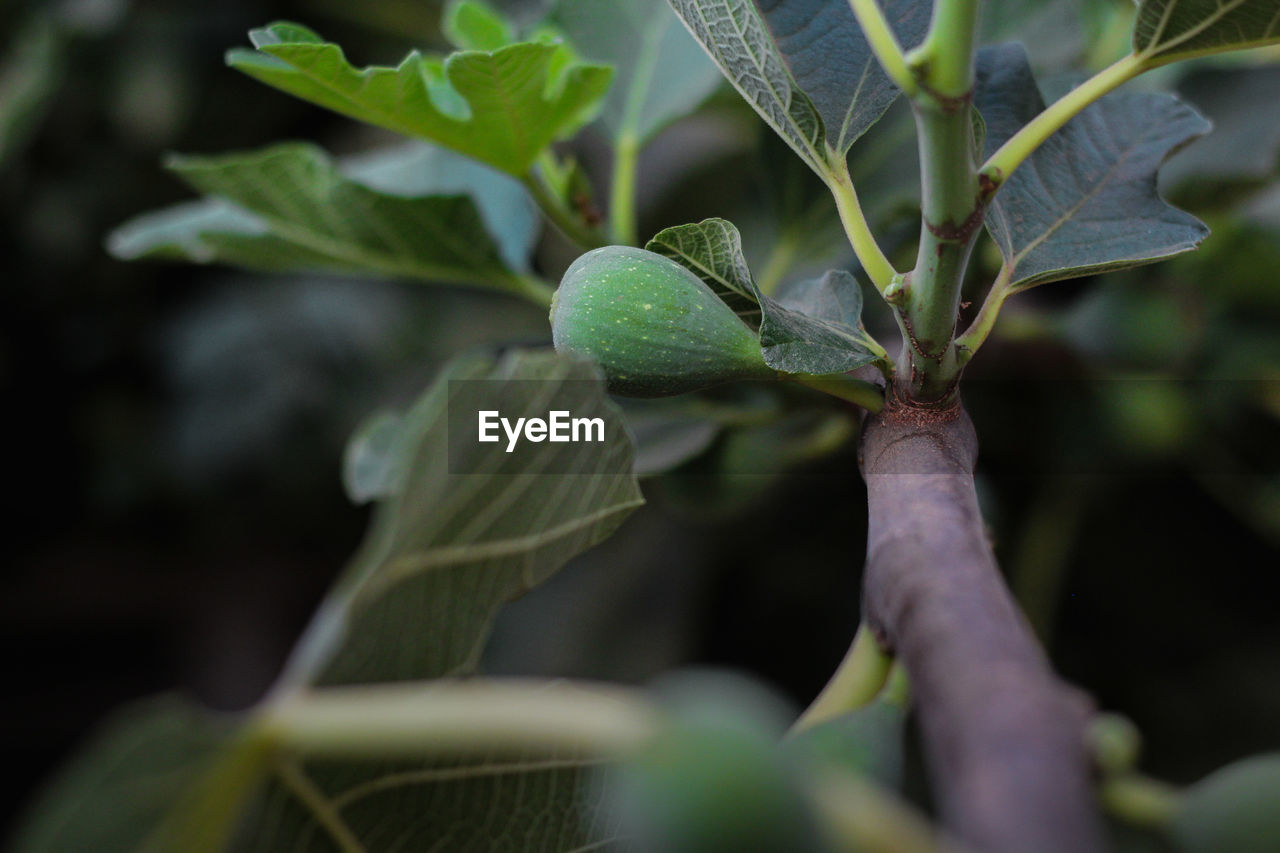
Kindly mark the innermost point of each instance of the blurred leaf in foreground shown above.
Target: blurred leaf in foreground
(161, 776)
(445, 552)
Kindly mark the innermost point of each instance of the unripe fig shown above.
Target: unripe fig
(654, 327)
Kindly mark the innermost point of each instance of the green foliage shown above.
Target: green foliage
(670, 432)
(867, 742)
(502, 107)
(734, 33)
(815, 326)
(1234, 810)
(654, 327)
(805, 66)
(752, 457)
(830, 61)
(413, 213)
(797, 231)
(705, 789)
(712, 250)
(1241, 152)
(447, 549)
(29, 75)
(1086, 201)
(1168, 30)
(369, 470)
(714, 780)
(474, 26)
(160, 776)
(420, 804)
(660, 72)
(1055, 32)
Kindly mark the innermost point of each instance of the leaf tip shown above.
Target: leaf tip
(262, 36)
(120, 245)
(283, 32)
(172, 161)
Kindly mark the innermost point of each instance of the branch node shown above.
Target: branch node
(949, 232)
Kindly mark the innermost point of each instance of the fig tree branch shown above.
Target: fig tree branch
(1003, 735)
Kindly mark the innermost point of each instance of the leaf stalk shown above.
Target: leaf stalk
(973, 338)
(870, 255)
(1021, 145)
(859, 677)
(860, 817)
(1139, 800)
(566, 221)
(884, 44)
(535, 289)
(622, 192)
(475, 717)
(868, 395)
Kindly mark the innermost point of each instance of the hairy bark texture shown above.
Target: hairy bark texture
(1004, 737)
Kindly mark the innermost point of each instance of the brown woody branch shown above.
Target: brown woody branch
(1003, 736)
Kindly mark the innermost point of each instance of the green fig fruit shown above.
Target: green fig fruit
(654, 327)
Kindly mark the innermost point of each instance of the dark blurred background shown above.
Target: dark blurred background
(172, 503)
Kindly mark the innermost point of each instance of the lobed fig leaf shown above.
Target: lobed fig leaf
(1086, 201)
(411, 212)
(815, 326)
(712, 250)
(1168, 30)
(502, 107)
(653, 326)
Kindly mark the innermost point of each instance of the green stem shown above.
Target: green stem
(1114, 743)
(973, 337)
(945, 59)
(474, 717)
(951, 206)
(869, 253)
(626, 149)
(622, 202)
(884, 44)
(535, 289)
(1139, 800)
(861, 818)
(897, 688)
(1020, 146)
(951, 220)
(566, 221)
(868, 395)
(855, 683)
